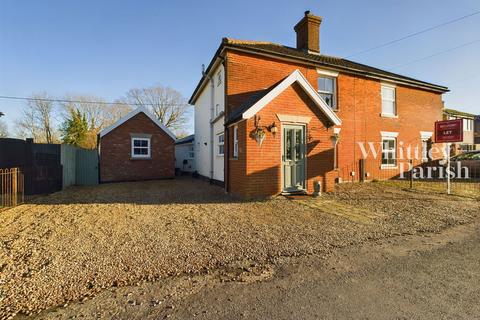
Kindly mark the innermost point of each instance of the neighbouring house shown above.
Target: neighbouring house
(273, 119)
(185, 154)
(468, 135)
(136, 147)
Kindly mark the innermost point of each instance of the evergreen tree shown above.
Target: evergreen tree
(75, 128)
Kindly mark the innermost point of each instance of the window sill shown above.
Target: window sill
(220, 155)
(388, 166)
(388, 115)
(140, 158)
(234, 158)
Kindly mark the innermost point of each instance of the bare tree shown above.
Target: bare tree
(3, 129)
(98, 113)
(168, 105)
(37, 120)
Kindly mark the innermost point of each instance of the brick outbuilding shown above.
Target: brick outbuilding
(136, 147)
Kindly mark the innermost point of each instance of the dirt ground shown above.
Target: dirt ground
(86, 241)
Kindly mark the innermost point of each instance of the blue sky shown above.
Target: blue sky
(105, 48)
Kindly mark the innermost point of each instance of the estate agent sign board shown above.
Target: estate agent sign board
(449, 131)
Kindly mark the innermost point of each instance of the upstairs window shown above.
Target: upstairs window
(140, 147)
(219, 78)
(221, 144)
(327, 90)
(388, 101)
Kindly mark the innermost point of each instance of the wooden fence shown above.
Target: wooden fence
(80, 166)
(11, 187)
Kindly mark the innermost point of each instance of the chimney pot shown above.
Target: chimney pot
(308, 33)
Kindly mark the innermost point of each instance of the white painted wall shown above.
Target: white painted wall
(218, 161)
(203, 118)
(182, 152)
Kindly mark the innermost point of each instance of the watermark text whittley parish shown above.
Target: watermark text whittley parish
(404, 155)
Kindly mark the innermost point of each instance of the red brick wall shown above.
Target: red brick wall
(116, 163)
(359, 104)
(264, 165)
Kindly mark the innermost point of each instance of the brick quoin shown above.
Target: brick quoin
(116, 163)
(257, 171)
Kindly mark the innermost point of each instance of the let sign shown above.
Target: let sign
(449, 131)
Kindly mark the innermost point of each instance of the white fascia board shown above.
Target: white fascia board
(295, 76)
(130, 115)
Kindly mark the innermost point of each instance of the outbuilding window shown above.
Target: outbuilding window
(191, 152)
(235, 142)
(140, 147)
(221, 144)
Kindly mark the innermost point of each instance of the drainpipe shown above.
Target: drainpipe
(212, 114)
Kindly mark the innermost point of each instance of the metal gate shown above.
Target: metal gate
(86, 168)
(11, 187)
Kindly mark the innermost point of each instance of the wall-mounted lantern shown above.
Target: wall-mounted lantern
(273, 129)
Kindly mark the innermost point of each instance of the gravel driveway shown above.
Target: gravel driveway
(73, 244)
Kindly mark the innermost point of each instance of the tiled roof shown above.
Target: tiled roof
(317, 59)
(236, 114)
(187, 139)
(325, 60)
(454, 112)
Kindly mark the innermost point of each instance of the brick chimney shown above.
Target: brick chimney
(308, 33)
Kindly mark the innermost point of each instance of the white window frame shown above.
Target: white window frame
(140, 156)
(191, 152)
(235, 141)
(330, 75)
(394, 88)
(220, 143)
(467, 124)
(390, 136)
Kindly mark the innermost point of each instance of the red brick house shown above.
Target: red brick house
(136, 147)
(273, 119)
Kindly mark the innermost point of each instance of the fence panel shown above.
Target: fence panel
(86, 167)
(68, 160)
(11, 187)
